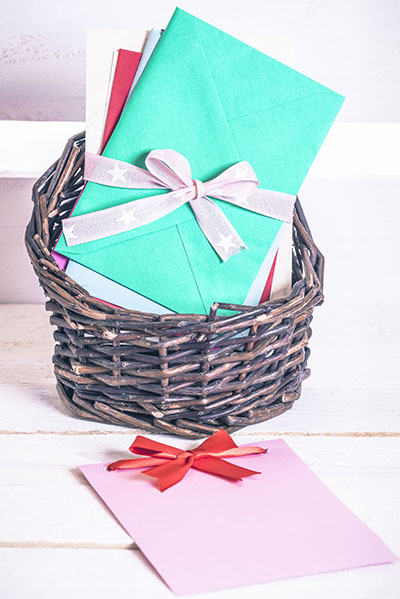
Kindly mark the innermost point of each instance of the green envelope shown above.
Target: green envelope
(215, 100)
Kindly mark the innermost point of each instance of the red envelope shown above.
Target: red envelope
(125, 70)
(266, 294)
(127, 64)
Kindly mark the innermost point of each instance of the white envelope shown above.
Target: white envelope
(282, 280)
(101, 44)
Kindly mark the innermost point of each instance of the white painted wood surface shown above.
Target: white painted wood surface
(58, 539)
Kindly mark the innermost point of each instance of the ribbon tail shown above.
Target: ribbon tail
(171, 473)
(144, 446)
(217, 228)
(117, 173)
(239, 452)
(219, 441)
(135, 463)
(270, 203)
(222, 468)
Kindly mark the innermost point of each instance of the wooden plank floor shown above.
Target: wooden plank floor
(58, 539)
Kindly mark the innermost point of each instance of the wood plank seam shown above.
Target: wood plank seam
(52, 545)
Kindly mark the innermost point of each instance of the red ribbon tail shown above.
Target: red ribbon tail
(135, 463)
(219, 441)
(170, 473)
(144, 446)
(222, 468)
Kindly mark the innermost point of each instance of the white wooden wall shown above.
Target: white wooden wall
(351, 45)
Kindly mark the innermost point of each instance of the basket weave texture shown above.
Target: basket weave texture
(184, 374)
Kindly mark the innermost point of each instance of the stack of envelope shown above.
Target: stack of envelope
(217, 101)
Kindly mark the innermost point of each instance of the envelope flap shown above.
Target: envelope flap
(100, 201)
(277, 116)
(269, 83)
(139, 264)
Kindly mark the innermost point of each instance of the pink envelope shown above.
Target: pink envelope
(207, 533)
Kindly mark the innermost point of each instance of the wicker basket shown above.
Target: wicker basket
(184, 374)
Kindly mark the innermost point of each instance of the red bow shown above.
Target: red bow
(169, 464)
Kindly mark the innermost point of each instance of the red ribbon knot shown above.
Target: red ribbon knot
(169, 464)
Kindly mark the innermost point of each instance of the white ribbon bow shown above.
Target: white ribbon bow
(167, 169)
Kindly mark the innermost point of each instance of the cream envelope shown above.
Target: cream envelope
(101, 58)
(282, 281)
(101, 44)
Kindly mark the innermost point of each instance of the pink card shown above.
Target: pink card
(207, 533)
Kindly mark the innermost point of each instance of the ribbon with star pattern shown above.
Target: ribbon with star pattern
(168, 169)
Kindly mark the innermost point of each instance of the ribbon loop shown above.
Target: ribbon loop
(169, 464)
(200, 190)
(168, 169)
